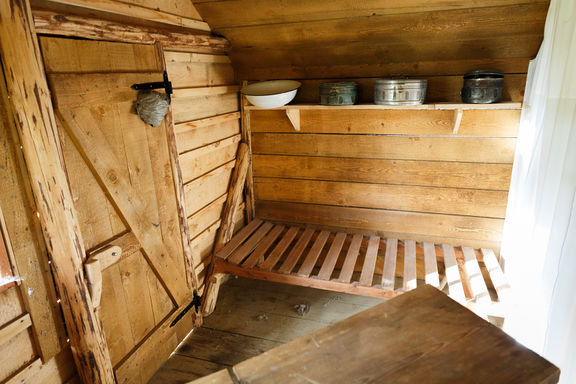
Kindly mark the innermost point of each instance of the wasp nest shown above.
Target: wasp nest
(151, 106)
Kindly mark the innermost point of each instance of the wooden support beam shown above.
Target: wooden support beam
(235, 194)
(32, 108)
(179, 189)
(294, 117)
(54, 23)
(457, 120)
(136, 11)
(247, 138)
(333, 285)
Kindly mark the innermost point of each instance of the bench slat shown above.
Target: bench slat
(389, 264)
(238, 239)
(409, 265)
(257, 256)
(367, 274)
(350, 261)
(279, 250)
(310, 260)
(296, 252)
(332, 256)
(430, 265)
(237, 256)
(455, 289)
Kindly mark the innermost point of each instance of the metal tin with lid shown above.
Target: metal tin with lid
(341, 93)
(400, 91)
(483, 87)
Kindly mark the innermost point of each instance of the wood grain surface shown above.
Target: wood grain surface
(421, 336)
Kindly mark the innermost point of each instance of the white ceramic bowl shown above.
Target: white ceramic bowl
(271, 94)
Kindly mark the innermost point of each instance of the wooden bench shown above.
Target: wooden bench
(359, 264)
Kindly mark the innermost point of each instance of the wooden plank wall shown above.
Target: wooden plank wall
(207, 126)
(397, 173)
(401, 173)
(376, 38)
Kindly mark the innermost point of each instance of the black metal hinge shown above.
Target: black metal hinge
(196, 303)
(166, 84)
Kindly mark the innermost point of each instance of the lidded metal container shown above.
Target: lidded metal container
(341, 93)
(399, 91)
(482, 87)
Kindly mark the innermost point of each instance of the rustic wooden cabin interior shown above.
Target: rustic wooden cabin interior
(135, 252)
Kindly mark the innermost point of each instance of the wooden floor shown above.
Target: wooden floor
(251, 317)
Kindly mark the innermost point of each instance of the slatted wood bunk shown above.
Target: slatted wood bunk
(358, 264)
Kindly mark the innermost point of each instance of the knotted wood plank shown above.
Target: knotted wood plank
(30, 103)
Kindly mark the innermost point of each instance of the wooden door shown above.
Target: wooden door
(128, 198)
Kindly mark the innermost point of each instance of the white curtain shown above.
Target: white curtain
(539, 241)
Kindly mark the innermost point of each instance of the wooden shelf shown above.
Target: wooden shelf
(435, 106)
(293, 110)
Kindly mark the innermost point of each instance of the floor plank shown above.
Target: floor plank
(223, 347)
(252, 317)
(180, 369)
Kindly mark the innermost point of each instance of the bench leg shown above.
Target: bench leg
(211, 294)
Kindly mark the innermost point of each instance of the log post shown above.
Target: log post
(226, 230)
(247, 138)
(30, 104)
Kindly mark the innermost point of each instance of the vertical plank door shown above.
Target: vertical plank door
(123, 180)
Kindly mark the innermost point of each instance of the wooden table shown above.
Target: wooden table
(422, 336)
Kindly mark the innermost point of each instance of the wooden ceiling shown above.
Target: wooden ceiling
(373, 38)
